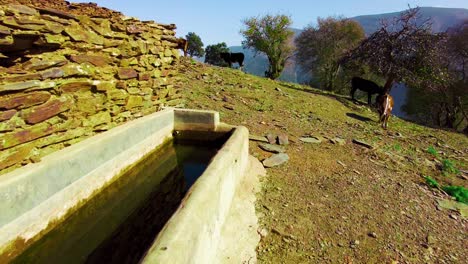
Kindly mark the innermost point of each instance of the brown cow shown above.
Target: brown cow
(384, 106)
(182, 44)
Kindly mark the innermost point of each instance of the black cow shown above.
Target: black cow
(367, 86)
(231, 58)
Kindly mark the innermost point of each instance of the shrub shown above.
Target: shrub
(448, 167)
(432, 150)
(460, 193)
(431, 182)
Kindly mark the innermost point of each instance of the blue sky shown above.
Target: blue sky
(221, 21)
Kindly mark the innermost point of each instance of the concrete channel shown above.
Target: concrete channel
(214, 223)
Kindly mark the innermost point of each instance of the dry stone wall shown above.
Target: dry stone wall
(65, 77)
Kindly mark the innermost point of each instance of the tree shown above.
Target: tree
(195, 45)
(403, 50)
(270, 35)
(451, 97)
(319, 49)
(212, 54)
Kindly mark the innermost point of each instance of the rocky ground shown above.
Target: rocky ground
(350, 192)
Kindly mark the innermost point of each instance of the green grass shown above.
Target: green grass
(432, 150)
(448, 167)
(397, 147)
(460, 193)
(431, 182)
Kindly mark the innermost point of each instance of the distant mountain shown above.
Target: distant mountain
(442, 19)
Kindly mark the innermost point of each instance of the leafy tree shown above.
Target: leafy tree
(212, 54)
(446, 104)
(270, 35)
(195, 45)
(402, 50)
(319, 49)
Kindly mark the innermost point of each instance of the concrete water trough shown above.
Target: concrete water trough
(70, 207)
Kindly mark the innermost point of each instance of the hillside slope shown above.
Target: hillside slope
(333, 203)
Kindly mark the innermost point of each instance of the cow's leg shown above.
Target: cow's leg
(353, 90)
(386, 120)
(369, 96)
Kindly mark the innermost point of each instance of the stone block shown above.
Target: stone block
(144, 76)
(7, 40)
(20, 86)
(38, 64)
(104, 86)
(97, 119)
(95, 60)
(89, 103)
(83, 70)
(57, 13)
(14, 156)
(47, 110)
(117, 94)
(21, 9)
(6, 115)
(14, 138)
(52, 73)
(13, 23)
(73, 86)
(134, 101)
(78, 33)
(133, 91)
(22, 78)
(127, 73)
(4, 30)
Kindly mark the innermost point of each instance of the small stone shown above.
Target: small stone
(271, 138)
(453, 217)
(310, 140)
(35, 159)
(271, 148)
(341, 163)
(283, 139)
(373, 234)
(363, 143)
(354, 243)
(338, 141)
(230, 107)
(263, 232)
(275, 160)
(257, 138)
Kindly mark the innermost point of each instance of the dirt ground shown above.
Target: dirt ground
(339, 203)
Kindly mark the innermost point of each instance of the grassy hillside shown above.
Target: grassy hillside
(340, 203)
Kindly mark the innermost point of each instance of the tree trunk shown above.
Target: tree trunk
(389, 83)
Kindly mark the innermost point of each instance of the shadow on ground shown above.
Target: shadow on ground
(359, 117)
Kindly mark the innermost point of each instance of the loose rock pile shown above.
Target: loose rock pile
(65, 76)
(274, 144)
